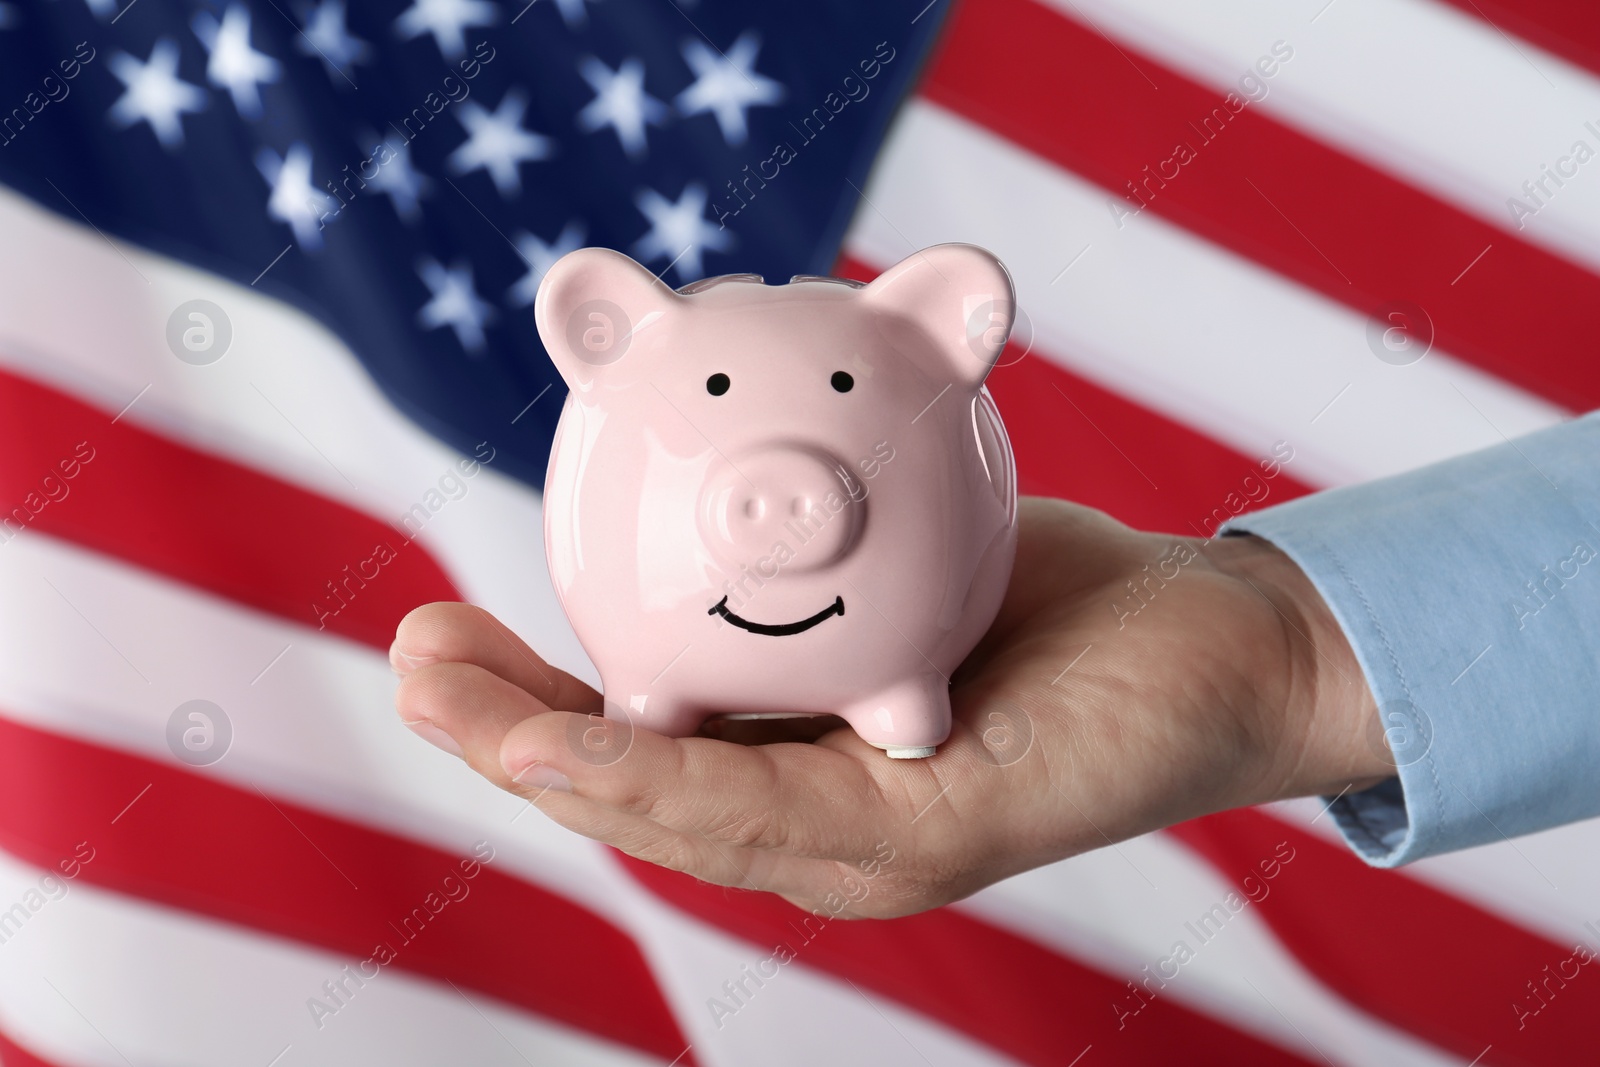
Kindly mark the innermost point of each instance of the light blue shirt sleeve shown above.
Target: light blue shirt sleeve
(1470, 592)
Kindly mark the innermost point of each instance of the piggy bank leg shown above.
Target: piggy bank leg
(908, 720)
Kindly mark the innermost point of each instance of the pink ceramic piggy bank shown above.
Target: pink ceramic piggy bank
(770, 500)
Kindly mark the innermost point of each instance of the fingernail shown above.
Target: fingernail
(435, 737)
(542, 776)
(401, 663)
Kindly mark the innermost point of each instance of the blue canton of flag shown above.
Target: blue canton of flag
(406, 172)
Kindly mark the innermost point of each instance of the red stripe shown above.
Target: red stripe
(1008, 992)
(1403, 951)
(200, 519)
(1567, 28)
(195, 843)
(1066, 93)
(14, 1055)
(1077, 441)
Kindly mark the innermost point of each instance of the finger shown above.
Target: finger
(477, 709)
(830, 800)
(465, 633)
(473, 707)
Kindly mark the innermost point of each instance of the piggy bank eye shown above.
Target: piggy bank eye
(842, 381)
(717, 384)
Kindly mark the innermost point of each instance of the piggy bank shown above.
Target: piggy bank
(775, 500)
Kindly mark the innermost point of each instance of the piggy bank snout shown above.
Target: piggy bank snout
(791, 508)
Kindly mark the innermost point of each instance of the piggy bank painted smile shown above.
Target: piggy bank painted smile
(770, 500)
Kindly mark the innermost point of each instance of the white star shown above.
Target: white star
(455, 303)
(540, 258)
(154, 94)
(234, 65)
(620, 102)
(679, 230)
(294, 199)
(447, 20)
(398, 179)
(326, 37)
(498, 143)
(726, 85)
(573, 13)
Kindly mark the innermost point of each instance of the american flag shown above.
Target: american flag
(269, 379)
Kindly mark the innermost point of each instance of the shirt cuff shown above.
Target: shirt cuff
(1470, 593)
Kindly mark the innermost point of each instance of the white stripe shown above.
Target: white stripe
(90, 978)
(1126, 908)
(1426, 92)
(330, 423)
(1176, 323)
(287, 399)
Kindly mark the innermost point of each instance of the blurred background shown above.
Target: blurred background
(269, 379)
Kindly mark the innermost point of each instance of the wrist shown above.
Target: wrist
(1317, 711)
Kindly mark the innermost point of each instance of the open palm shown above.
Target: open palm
(1130, 681)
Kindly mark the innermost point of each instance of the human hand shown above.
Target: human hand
(1090, 713)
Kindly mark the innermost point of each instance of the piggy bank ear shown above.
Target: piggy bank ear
(591, 306)
(960, 298)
